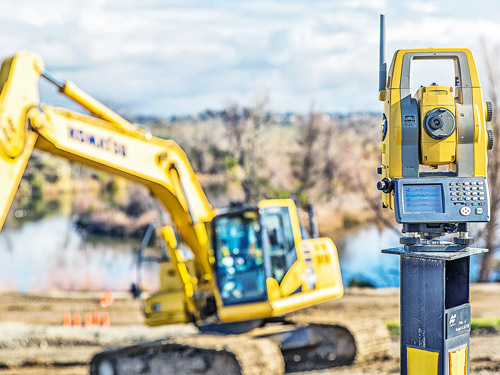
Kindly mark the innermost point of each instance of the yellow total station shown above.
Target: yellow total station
(439, 131)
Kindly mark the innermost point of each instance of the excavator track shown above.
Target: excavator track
(305, 341)
(335, 340)
(200, 354)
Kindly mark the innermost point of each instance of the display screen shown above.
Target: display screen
(423, 198)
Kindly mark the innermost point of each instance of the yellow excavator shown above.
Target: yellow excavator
(250, 272)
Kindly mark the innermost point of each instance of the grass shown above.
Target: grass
(484, 324)
(488, 324)
(393, 328)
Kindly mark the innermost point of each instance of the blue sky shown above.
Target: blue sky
(179, 57)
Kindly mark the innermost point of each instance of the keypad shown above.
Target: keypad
(467, 193)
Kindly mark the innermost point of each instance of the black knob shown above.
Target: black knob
(489, 111)
(409, 240)
(379, 170)
(490, 139)
(463, 240)
(385, 185)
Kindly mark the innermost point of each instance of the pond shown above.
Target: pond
(49, 254)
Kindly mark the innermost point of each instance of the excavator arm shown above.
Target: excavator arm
(105, 141)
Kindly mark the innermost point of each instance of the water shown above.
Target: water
(50, 254)
(361, 258)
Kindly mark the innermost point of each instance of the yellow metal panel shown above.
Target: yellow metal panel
(293, 278)
(165, 308)
(273, 288)
(306, 299)
(421, 362)
(97, 108)
(434, 151)
(480, 135)
(19, 92)
(470, 60)
(11, 172)
(169, 279)
(168, 234)
(325, 259)
(245, 311)
(280, 306)
(458, 361)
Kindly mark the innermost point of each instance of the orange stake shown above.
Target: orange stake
(87, 319)
(66, 320)
(96, 319)
(105, 322)
(77, 320)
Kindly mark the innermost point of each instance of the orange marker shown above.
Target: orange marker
(105, 322)
(87, 320)
(77, 320)
(96, 319)
(66, 320)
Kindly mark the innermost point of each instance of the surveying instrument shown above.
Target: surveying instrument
(434, 178)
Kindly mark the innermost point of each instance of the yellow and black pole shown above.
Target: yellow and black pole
(434, 177)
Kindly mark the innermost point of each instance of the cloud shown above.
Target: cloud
(179, 57)
(423, 7)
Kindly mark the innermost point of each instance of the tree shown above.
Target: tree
(244, 129)
(491, 59)
(235, 119)
(307, 162)
(252, 163)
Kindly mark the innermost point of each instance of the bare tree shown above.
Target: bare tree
(235, 119)
(306, 162)
(252, 162)
(244, 127)
(491, 58)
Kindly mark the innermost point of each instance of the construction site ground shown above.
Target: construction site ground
(33, 340)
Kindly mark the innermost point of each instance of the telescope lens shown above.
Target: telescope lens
(435, 123)
(439, 123)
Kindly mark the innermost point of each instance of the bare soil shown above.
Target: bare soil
(33, 341)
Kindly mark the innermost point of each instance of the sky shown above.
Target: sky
(159, 57)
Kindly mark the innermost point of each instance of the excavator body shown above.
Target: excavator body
(248, 269)
(262, 268)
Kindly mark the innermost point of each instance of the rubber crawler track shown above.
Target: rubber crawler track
(371, 337)
(201, 354)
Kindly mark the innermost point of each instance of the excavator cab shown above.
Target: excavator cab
(252, 244)
(264, 268)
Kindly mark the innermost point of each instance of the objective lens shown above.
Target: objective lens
(435, 123)
(439, 123)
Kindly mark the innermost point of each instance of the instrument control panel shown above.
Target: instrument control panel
(441, 200)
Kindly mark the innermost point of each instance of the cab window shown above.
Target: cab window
(239, 259)
(278, 240)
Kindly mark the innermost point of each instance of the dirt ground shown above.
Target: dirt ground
(33, 340)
